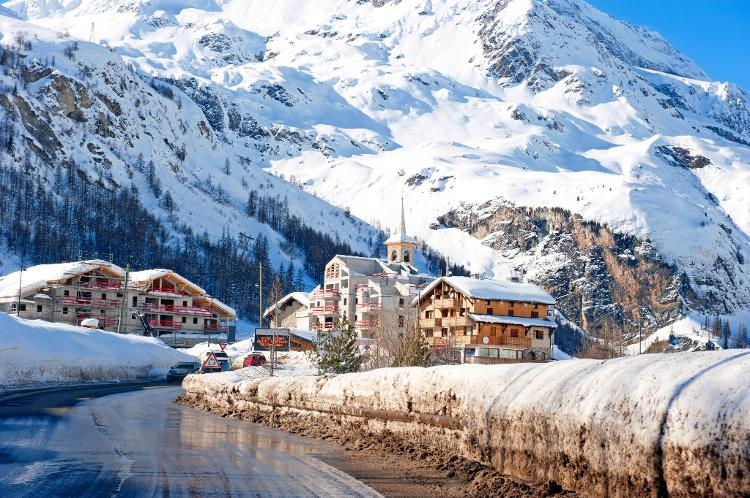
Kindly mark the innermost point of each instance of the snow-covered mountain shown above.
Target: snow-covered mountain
(540, 136)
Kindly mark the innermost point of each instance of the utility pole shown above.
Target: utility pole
(260, 295)
(640, 335)
(20, 280)
(211, 310)
(124, 302)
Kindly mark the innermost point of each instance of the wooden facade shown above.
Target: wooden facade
(487, 326)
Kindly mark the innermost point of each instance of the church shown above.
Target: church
(371, 293)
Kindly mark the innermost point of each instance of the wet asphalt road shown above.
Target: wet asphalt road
(96, 441)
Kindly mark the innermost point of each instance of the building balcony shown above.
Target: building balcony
(166, 290)
(165, 324)
(89, 302)
(180, 310)
(322, 326)
(445, 302)
(523, 342)
(103, 320)
(107, 284)
(456, 321)
(326, 294)
(368, 306)
(324, 310)
(429, 323)
(364, 324)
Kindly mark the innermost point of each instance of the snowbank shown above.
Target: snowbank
(38, 352)
(676, 424)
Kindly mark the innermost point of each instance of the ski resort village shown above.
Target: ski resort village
(403, 248)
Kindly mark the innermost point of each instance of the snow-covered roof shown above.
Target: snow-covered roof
(513, 320)
(397, 238)
(300, 297)
(39, 276)
(212, 302)
(144, 277)
(495, 289)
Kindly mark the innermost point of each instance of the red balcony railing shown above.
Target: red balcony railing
(108, 284)
(103, 320)
(165, 324)
(90, 301)
(368, 306)
(326, 294)
(167, 290)
(180, 310)
(324, 310)
(323, 326)
(363, 324)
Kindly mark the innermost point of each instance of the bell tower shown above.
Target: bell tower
(399, 246)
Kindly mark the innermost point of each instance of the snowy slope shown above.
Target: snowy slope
(532, 103)
(38, 352)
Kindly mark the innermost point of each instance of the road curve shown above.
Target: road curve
(140, 443)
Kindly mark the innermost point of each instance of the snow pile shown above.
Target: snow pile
(675, 424)
(38, 352)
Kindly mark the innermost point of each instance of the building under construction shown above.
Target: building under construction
(96, 289)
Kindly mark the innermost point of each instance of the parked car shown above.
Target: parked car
(181, 370)
(254, 360)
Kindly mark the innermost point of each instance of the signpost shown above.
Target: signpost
(211, 362)
(271, 340)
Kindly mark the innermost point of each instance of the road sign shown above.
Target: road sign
(222, 345)
(211, 361)
(266, 338)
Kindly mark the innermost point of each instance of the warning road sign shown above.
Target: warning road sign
(222, 345)
(211, 361)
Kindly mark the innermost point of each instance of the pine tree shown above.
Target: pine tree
(726, 333)
(337, 351)
(227, 169)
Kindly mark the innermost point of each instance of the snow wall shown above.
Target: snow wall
(649, 425)
(34, 352)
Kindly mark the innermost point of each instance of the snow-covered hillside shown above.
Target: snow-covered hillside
(629, 165)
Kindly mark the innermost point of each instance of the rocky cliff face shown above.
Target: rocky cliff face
(602, 280)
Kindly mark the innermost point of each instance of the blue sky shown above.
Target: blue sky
(714, 33)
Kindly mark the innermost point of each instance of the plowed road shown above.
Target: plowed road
(134, 441)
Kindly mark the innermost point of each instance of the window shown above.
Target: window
(534, 314)
(104, 296)
(119, 294)
(101, 312)
(429, 314)
(345, 284)
(467, 330)
(394, 256)
(539, 334)
(510, 304)
(489, 311)
(184, 319)
(401, 301)
(23, 306)
(66, 293)
(135, 301)
(428, 332)
(401, 320)
(344, 301)
(406, 256)
(65, 310)
(38, 308)
(510, 312)
(195, 321)
(487, 302)
(462, 312)
(184, 303)
(514, 332)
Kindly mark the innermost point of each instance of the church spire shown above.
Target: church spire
(403, 219)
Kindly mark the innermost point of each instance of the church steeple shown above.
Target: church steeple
(399, 246)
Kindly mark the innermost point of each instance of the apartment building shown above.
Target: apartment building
(72, 292)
